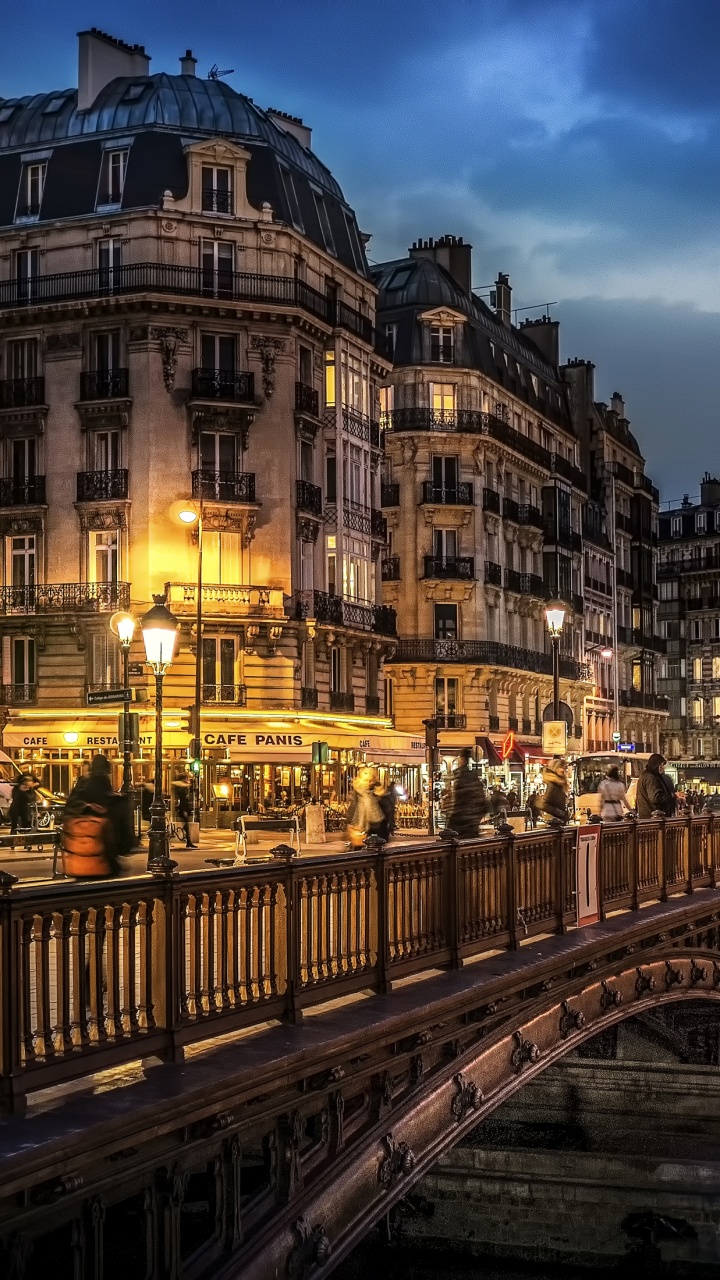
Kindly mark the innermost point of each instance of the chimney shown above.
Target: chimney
(188, 64)
(709, 490)
(451, 253)
(545, 333)
(617, 404)
(291, 124)
(502, 298)
(102, 58)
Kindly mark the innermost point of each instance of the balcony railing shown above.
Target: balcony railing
(104, 384)
(230, 694)
(309, 498)
(493, 573)
(689, 564)
(450, 567)
(358, 424)
(637, 698)
(216, 201)
(224, 486)
(244, 601)
(372, 704)
(338, 612)
(458, 495)
(390, 495)
(22, 393)
(525, 584)
(24, 492)
(488, 653)
(308, 699)
(390, 569)
(66, 597)
(451, 720)
(623, 577)
(530, 515)
(101, 486)
(223, 384)
(511, 510)
(19, 695)
(176, 281)
(342, 701)
(562, 537)
(491, 500)
(378, 526)
(307, 400)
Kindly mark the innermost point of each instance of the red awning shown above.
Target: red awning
(532, 750)
(490, 752)
(516, 756)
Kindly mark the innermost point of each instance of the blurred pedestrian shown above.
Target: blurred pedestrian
(612, 796)
(554, 799)
(97, 825)
(22, 805)
(468, 803)
(655, 793)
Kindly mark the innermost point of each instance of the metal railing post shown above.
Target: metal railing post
(560, 880)
(663, 861)
(634, 867)
(689, 888)
(453, 904)
(293, 1013)
(512, 903)
(383, 916)
(166, 954)
(12, 1099)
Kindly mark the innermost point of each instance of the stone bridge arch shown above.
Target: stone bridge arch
(373, 1174)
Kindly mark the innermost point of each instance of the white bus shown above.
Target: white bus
(589, 771)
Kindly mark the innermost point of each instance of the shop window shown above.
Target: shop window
(446, 621)
(218, 668)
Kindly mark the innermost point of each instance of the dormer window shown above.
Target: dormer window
(676, 527)
(112, 177)
(32, 182)
(216, 190)
(442, 344)
(291, 198)
(700, 522)
(355, 248)
(324, 220)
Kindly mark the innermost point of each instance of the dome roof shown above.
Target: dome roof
(420, 282)
(199, 108)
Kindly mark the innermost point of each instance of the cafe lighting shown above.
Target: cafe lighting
(555, 617)
(187, 516)
(71, 738)
(123, 625)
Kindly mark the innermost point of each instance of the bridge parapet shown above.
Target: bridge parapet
(96, 974)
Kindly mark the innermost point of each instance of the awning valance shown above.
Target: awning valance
(489, 751)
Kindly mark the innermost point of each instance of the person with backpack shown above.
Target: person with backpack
(97, 825)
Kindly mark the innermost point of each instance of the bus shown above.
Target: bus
(589, 771)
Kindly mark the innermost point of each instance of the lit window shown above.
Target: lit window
(716, 706)
(716, 668)
(696, 710)
(329, 379)
(700, 749)
(442, 400)
(697, 669)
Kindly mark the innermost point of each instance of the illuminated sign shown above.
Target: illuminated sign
(508, 746)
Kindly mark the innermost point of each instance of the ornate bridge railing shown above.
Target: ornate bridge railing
(97, 973)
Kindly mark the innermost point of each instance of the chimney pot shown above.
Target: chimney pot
(188, 64)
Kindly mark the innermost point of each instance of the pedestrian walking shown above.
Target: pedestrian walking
(97, 825)
(554, 799)
(613, 800)
(655, 792)
(22, 806)
(365, 816)
(468, 803)
(183, 806)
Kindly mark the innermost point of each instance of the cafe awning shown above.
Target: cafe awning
(490, 752)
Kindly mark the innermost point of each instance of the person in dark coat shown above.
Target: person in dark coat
(21, 808)
(184, 808)
(655, 791)
(469, 802)
(96, 789)
(554, 798)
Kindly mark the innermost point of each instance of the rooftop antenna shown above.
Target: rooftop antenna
(215, 74)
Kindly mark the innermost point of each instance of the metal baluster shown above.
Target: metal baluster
(113, 917)
(207, 934)
(273, 974)
(63, 1029)
(129, 940)
(221, 917)
(96, 1014)
(26, 1030)
(243, 927)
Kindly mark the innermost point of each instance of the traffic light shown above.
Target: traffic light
(320, 753)
(195, 765)
(431, 734)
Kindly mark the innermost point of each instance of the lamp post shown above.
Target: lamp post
(122, 625)
(190, 513)
(555, 618)
(159, 632)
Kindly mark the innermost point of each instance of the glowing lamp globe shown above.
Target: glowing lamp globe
(122, 625)
(555, 617)
(159, 633)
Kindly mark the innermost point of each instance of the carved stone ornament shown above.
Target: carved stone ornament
(468, 1097)
(268, 349)
(169, 340)
(525, 1051)
(398, 1162)
(71, 341)
(20, 526)
(571, 1020)
(312, 1250)
(103, 518)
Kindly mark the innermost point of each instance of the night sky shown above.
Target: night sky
(575, 143)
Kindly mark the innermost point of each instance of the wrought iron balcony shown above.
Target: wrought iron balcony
(19, 695)
(342, 701)
(223, 384)
(638, 698)
(224, 486)
(23, 492)
(22, 393)
(491, 500)
(511, 510)
(104, 384)
(493, 573)
(459, 495)
(488, 653)
(390, 495)
(101, 486)
(348, 318)
(494, 724)
(390, 569)
(338, 612)
(308, 699)
(378, 526)
(309, 498)
(372, 704)
(451, 720)
(216, 201)
(230, 694)
(513, 723)
(307, 400)
(528, 514)
(526, 584)
(66, 597)
(450, 567)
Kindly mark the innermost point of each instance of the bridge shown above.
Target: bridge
(235, 1073)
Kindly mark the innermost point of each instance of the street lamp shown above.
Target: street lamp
(122, 625)
(190, 513)
(159, 633)
(555, 618)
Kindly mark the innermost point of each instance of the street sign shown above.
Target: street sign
(100, 696)
(626, 746)
(617, 737)
(554, 737)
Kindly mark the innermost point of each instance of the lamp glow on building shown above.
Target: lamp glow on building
(123, 625)
(189, 513)
(159, 633)
(555, 618)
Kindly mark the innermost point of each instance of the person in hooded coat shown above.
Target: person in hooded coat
(93, 796)
(655, 791)
(469, 801)
(553, 801)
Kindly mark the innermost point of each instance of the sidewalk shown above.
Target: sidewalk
(213, 844)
